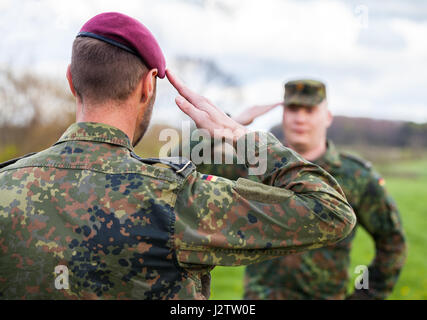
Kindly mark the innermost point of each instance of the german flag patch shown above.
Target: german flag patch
(209, 177)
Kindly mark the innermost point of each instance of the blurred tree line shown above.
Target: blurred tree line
(34, 112)
(365, 131)
(378, 132)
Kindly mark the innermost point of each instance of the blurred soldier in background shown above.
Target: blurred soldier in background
(89, 219)
(323, 273)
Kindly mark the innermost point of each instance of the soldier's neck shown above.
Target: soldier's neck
(115, 116)
(311, 154)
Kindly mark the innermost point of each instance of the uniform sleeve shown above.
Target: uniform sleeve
(228, 171)
(294, 206)
(379, 215)
(232, 171)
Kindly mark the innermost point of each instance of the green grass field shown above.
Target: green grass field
(407, 183)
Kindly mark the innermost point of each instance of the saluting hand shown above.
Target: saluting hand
(249, 115)
(204, 113)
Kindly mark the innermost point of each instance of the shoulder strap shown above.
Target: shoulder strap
(364, 163)
(182, 166)
(12, 161)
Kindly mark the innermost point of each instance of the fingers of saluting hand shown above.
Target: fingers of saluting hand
(260, 110)
(189, 109)
(272, 106)
(202, 111)
(197, 100)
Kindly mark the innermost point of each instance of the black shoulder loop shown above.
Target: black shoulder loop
(182, 166)
(12, 161)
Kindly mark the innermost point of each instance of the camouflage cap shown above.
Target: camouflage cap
(304, 92)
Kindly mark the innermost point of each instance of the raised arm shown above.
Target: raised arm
(295, 206)
(250, 114)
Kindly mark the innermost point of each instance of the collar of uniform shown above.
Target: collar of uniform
(330, 157)
(92, 131)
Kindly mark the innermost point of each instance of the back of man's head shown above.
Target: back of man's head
(111, 54)
(102, 72)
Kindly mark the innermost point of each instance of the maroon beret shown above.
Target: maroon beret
(128, 34)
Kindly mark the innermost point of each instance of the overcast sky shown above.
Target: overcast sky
(372, 55)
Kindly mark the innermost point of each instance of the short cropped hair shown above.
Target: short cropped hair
(102, 72)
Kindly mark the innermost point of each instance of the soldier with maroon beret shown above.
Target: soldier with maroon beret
(89, 219)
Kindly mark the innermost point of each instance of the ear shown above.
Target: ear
(148, 85)
(70, 81)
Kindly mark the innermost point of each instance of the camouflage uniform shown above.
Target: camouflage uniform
(323, 273)
(132, 228)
